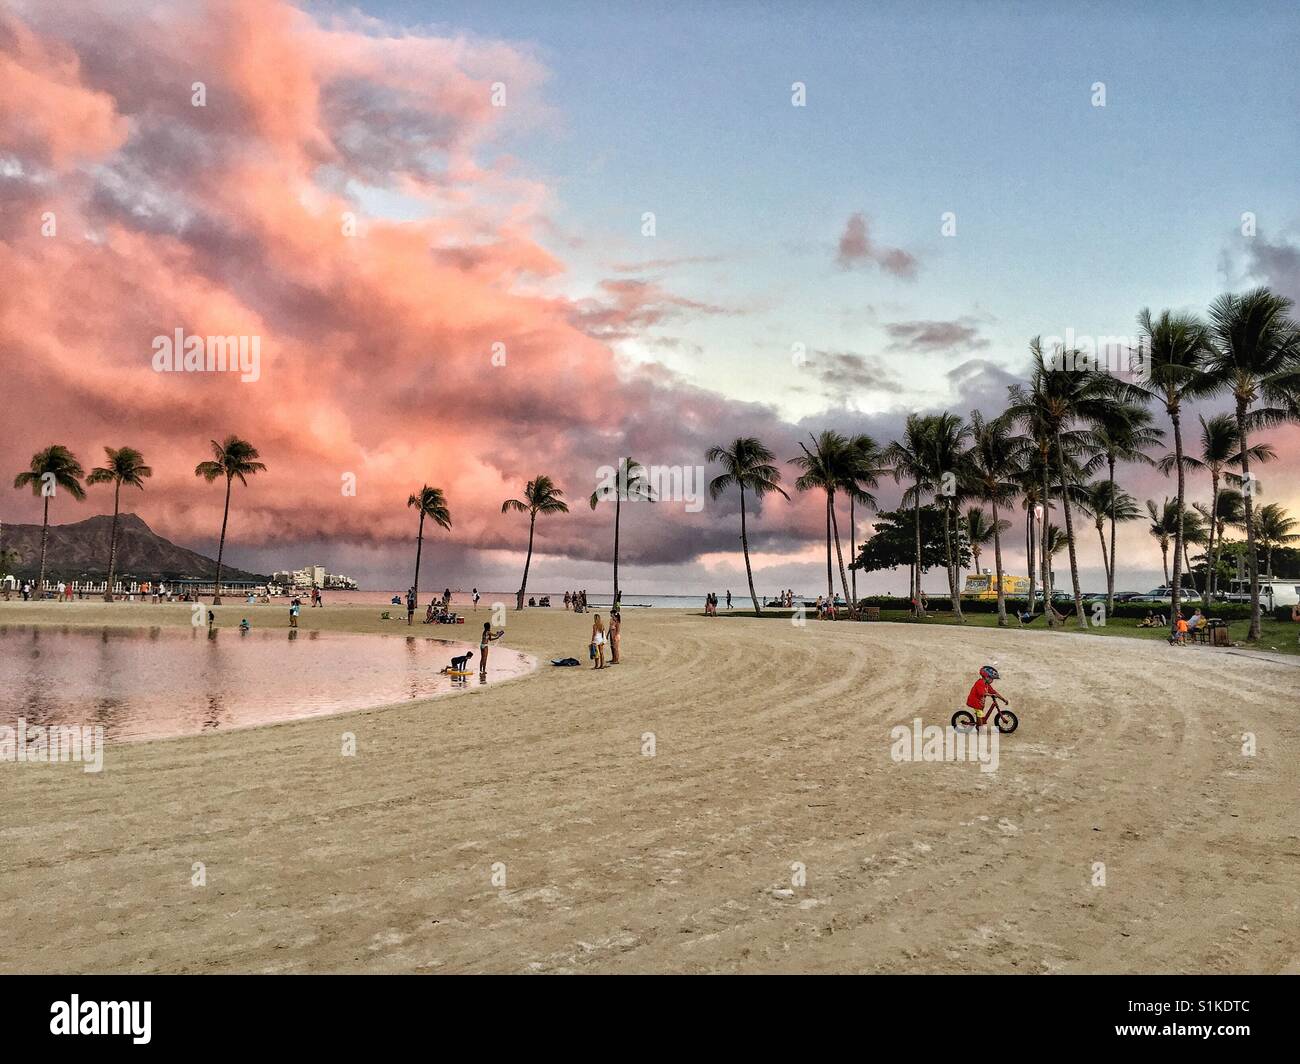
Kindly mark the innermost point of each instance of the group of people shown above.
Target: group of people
(443, 604)
(62, 592)
(826, 607)
(438, 613)
(711, 604)
(1154, 620)
(602, 637)
(1185, 627)
(577, 601)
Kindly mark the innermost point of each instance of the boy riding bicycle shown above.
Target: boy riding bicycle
(983, 688)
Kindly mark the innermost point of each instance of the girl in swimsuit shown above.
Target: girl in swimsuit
(486, 638)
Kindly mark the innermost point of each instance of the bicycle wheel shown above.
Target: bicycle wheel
(1006, 721)
(963, 718)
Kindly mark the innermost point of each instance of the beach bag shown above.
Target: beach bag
(592, 652)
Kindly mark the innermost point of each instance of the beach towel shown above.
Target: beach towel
(565, 661)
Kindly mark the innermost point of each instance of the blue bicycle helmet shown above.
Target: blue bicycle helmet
(990, 673)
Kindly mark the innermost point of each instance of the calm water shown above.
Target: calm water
(147, 683)
(461, 600)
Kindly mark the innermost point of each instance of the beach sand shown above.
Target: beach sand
(772, 752)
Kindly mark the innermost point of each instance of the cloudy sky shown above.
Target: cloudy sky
(624, 201)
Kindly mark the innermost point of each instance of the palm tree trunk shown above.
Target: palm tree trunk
(415, 584)
(1218, 553)
(221, 547)
(1176, 590)
(618, 514)
(1069, 540)
(953, 599)
(997, 566)
(839, 557)
(1101, 535)
(45, 535)
(523, 586)
(1030, 555)
(830, 579)
(1110, 572)
(1211, 559)
(112, 543)
(1048, 608)
(744, 547)
(1164, 556)
(916, 591)
(853, 549)
(1187, 565)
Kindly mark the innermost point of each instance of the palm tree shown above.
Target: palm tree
(1105, 500)
(430, 503)
(869, 466)
(993, 464)
(1176, 347)
(632, 483)
(1228, 509)
(1123, 438)
(1061, 393)
(829, 467)
(1274, 527)
(1256, 357)
(979, 532)
(233, 459)
(748, 465)
(1164, 526)
(946, 438)
(1195, 535)
(908, 458)
(53, 468)
(125, 465)
(541, 496)
(1054, 540)
(1030, 483)
(1218, 450)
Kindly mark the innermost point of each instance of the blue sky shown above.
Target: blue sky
(1068, 215)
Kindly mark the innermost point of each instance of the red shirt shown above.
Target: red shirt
(978, 693)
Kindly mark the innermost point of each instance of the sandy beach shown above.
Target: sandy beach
(772, 753)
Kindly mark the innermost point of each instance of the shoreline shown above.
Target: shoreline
(771, 747)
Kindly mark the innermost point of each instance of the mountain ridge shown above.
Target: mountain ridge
(80, 551)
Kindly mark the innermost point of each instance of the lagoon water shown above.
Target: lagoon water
(149, 683)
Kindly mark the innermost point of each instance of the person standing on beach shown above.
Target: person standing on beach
(728, 598)
(476, 600)
(598, 641)
(484, 640)
(566, 600)
(615, 625)
(295, 607)
(410, 605)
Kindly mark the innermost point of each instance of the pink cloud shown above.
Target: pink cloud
(376, 348)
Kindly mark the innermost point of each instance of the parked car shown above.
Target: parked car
(1165, 594)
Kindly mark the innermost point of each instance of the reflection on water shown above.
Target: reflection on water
(149, 683)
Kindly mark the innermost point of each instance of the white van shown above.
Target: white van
(1272, 592)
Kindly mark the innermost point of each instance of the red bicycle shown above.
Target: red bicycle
(1003, 719)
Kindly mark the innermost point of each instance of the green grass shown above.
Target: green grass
(1275, 636)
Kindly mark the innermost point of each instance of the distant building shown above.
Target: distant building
(313, 576)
